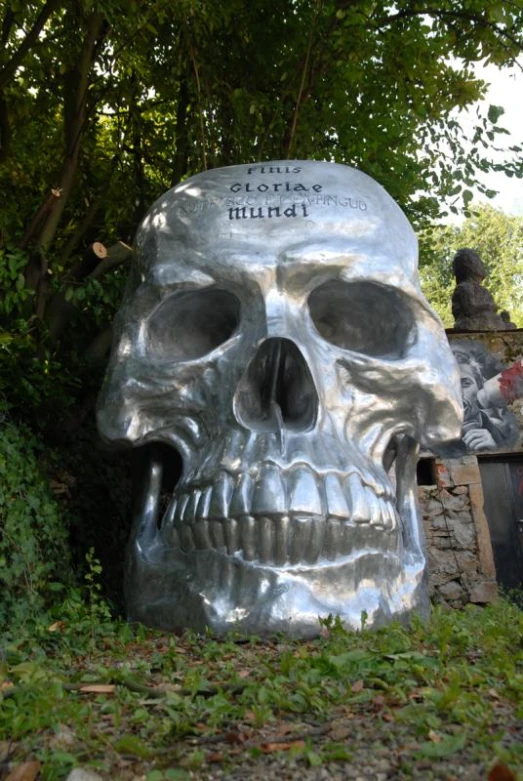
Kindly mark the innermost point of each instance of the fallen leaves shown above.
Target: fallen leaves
(56, 626)
(27, 771)
(165, 699)
(97, 688)
(270, 748)
(501, 772)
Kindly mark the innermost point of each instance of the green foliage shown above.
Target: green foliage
(12, 283)
(497, 237)
(448, 692)
(34, 554)
(174, 88)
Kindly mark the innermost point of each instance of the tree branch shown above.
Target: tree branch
(9, 69)
(7, 24)
(5, 129)
(40, 215)
(439, 13)
(78, 101)
(116, 255)
(200, 109)
(302, 83)
(82, 229)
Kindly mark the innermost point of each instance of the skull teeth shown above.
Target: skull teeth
(281, 519)
(279, 542)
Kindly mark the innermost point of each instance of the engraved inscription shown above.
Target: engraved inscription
(244, 213)
(276, 187)
(269, 199)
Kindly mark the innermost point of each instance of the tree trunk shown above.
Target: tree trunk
(182, 135)
(75, 114)
(81, 230)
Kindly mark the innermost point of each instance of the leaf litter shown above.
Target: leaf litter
(433, 701)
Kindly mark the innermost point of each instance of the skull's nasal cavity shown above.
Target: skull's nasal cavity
(277, 390)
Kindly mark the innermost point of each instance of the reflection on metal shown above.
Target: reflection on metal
(275, 334)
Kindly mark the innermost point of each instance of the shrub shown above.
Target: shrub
(34, 554)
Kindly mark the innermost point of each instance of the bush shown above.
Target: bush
(34, 552)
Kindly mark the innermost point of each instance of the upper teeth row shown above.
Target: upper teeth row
(272, 493)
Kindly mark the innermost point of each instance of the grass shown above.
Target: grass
(435, 700)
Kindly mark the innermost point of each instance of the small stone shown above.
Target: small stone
(467, 561)
(443, 543)
(433, 507)
(444, 562)
(83, 774)
(64, 736)
(465, 474)
(464, 536)
(483, 593)
(452, 591)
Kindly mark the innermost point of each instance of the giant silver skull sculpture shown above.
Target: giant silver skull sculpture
(274, 333)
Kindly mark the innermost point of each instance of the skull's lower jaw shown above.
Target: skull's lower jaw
(277, 572)
(213, 591)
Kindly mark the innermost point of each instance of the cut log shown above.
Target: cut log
(97, 261)
(98, 249)
(116, 254)
(95, 253)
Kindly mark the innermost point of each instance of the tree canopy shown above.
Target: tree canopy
(104, 105)
(109, 103)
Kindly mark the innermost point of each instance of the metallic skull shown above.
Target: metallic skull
(274, 333)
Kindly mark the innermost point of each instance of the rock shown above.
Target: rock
(433, 508)
(483, 593)
(27, 771)
(465, 473)
(64, 736)
(467, 561)
(464, 536)
(453, 591)
(83, 774)
(443, 543)
(444, 562)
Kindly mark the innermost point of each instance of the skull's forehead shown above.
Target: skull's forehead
(286, 216)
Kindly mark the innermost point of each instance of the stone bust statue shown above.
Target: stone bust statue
(473, 306)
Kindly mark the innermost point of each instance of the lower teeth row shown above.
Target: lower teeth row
(281, 540)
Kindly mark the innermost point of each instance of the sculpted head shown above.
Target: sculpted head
(467, 265)
(275, 335)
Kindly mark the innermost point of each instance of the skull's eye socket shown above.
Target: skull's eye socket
(363, 317)
(190, 324)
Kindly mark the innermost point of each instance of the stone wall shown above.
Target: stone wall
(461, 563)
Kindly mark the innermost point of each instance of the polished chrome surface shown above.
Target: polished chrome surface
(274, 333)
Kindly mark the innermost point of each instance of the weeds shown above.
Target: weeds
(86, 690)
